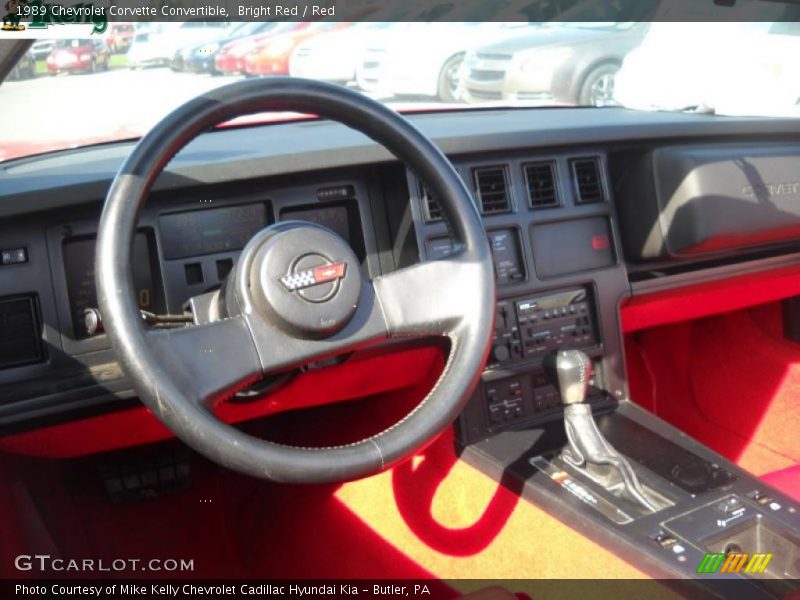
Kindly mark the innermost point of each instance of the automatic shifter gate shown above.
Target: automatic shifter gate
(588, 451)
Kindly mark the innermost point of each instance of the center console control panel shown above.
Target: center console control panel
(532, 396)
(528, 328)
(516, 391)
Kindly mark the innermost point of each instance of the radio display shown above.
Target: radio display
(210, 231)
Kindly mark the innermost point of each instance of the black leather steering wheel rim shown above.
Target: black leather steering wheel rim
(175, 383)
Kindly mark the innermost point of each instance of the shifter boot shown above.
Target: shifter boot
(588, 449)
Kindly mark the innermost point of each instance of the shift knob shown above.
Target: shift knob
(570, 371)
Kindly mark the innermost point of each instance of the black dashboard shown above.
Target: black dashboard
(547, 182)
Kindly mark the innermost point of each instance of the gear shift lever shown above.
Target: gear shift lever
(571, 371)
(588, 450)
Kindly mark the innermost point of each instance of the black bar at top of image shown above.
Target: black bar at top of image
(43, 13)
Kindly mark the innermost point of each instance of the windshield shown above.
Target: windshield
(87, 88)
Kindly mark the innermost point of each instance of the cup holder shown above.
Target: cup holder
(758, 536)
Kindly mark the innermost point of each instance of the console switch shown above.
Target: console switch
(505, 402)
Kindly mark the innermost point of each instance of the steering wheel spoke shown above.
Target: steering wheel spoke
(431, 298)
(212, 360)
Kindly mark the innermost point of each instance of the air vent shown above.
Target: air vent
(541, 180)
(20, 340)
(491, 187)
(432, 210)
(588, 182)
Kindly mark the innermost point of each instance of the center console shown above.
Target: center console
(662, 501)
(552, 231)
(715, 523)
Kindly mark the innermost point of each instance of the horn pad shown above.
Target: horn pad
(305, 279)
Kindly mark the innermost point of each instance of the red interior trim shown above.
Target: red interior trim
(730, 381)
(708, 298)
(742, 240)
(359, 377)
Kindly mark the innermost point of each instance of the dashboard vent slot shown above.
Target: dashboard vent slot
(588, 182)
(541, 180)
(491, 187)
(20, 338)
(431, 207)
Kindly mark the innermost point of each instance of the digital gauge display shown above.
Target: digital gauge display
(335, 218)
(79, 270)
(210, 231)
(342, 218)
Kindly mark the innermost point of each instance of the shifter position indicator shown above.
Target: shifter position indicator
(562, 478)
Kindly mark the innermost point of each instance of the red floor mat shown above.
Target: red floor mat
(729, 381)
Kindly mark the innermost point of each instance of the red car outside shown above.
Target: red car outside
(271, 57)
(120, 37)
(230, 58)
(85, 55)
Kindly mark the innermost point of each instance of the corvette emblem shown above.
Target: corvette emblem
(311, 277)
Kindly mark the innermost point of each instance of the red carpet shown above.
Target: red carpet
(229, 526)
(730, 380)
(432, 517)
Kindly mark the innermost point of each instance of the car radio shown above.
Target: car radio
(515, 390)
(528, 328)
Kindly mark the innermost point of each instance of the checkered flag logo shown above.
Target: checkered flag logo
(315, 276)
(298, 280)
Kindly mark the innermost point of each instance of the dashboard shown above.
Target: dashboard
(564, 193)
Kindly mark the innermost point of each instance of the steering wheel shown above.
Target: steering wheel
(296, 295)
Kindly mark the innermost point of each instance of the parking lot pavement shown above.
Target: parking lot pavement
(76, 109)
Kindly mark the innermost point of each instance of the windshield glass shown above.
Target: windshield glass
(86, 87)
